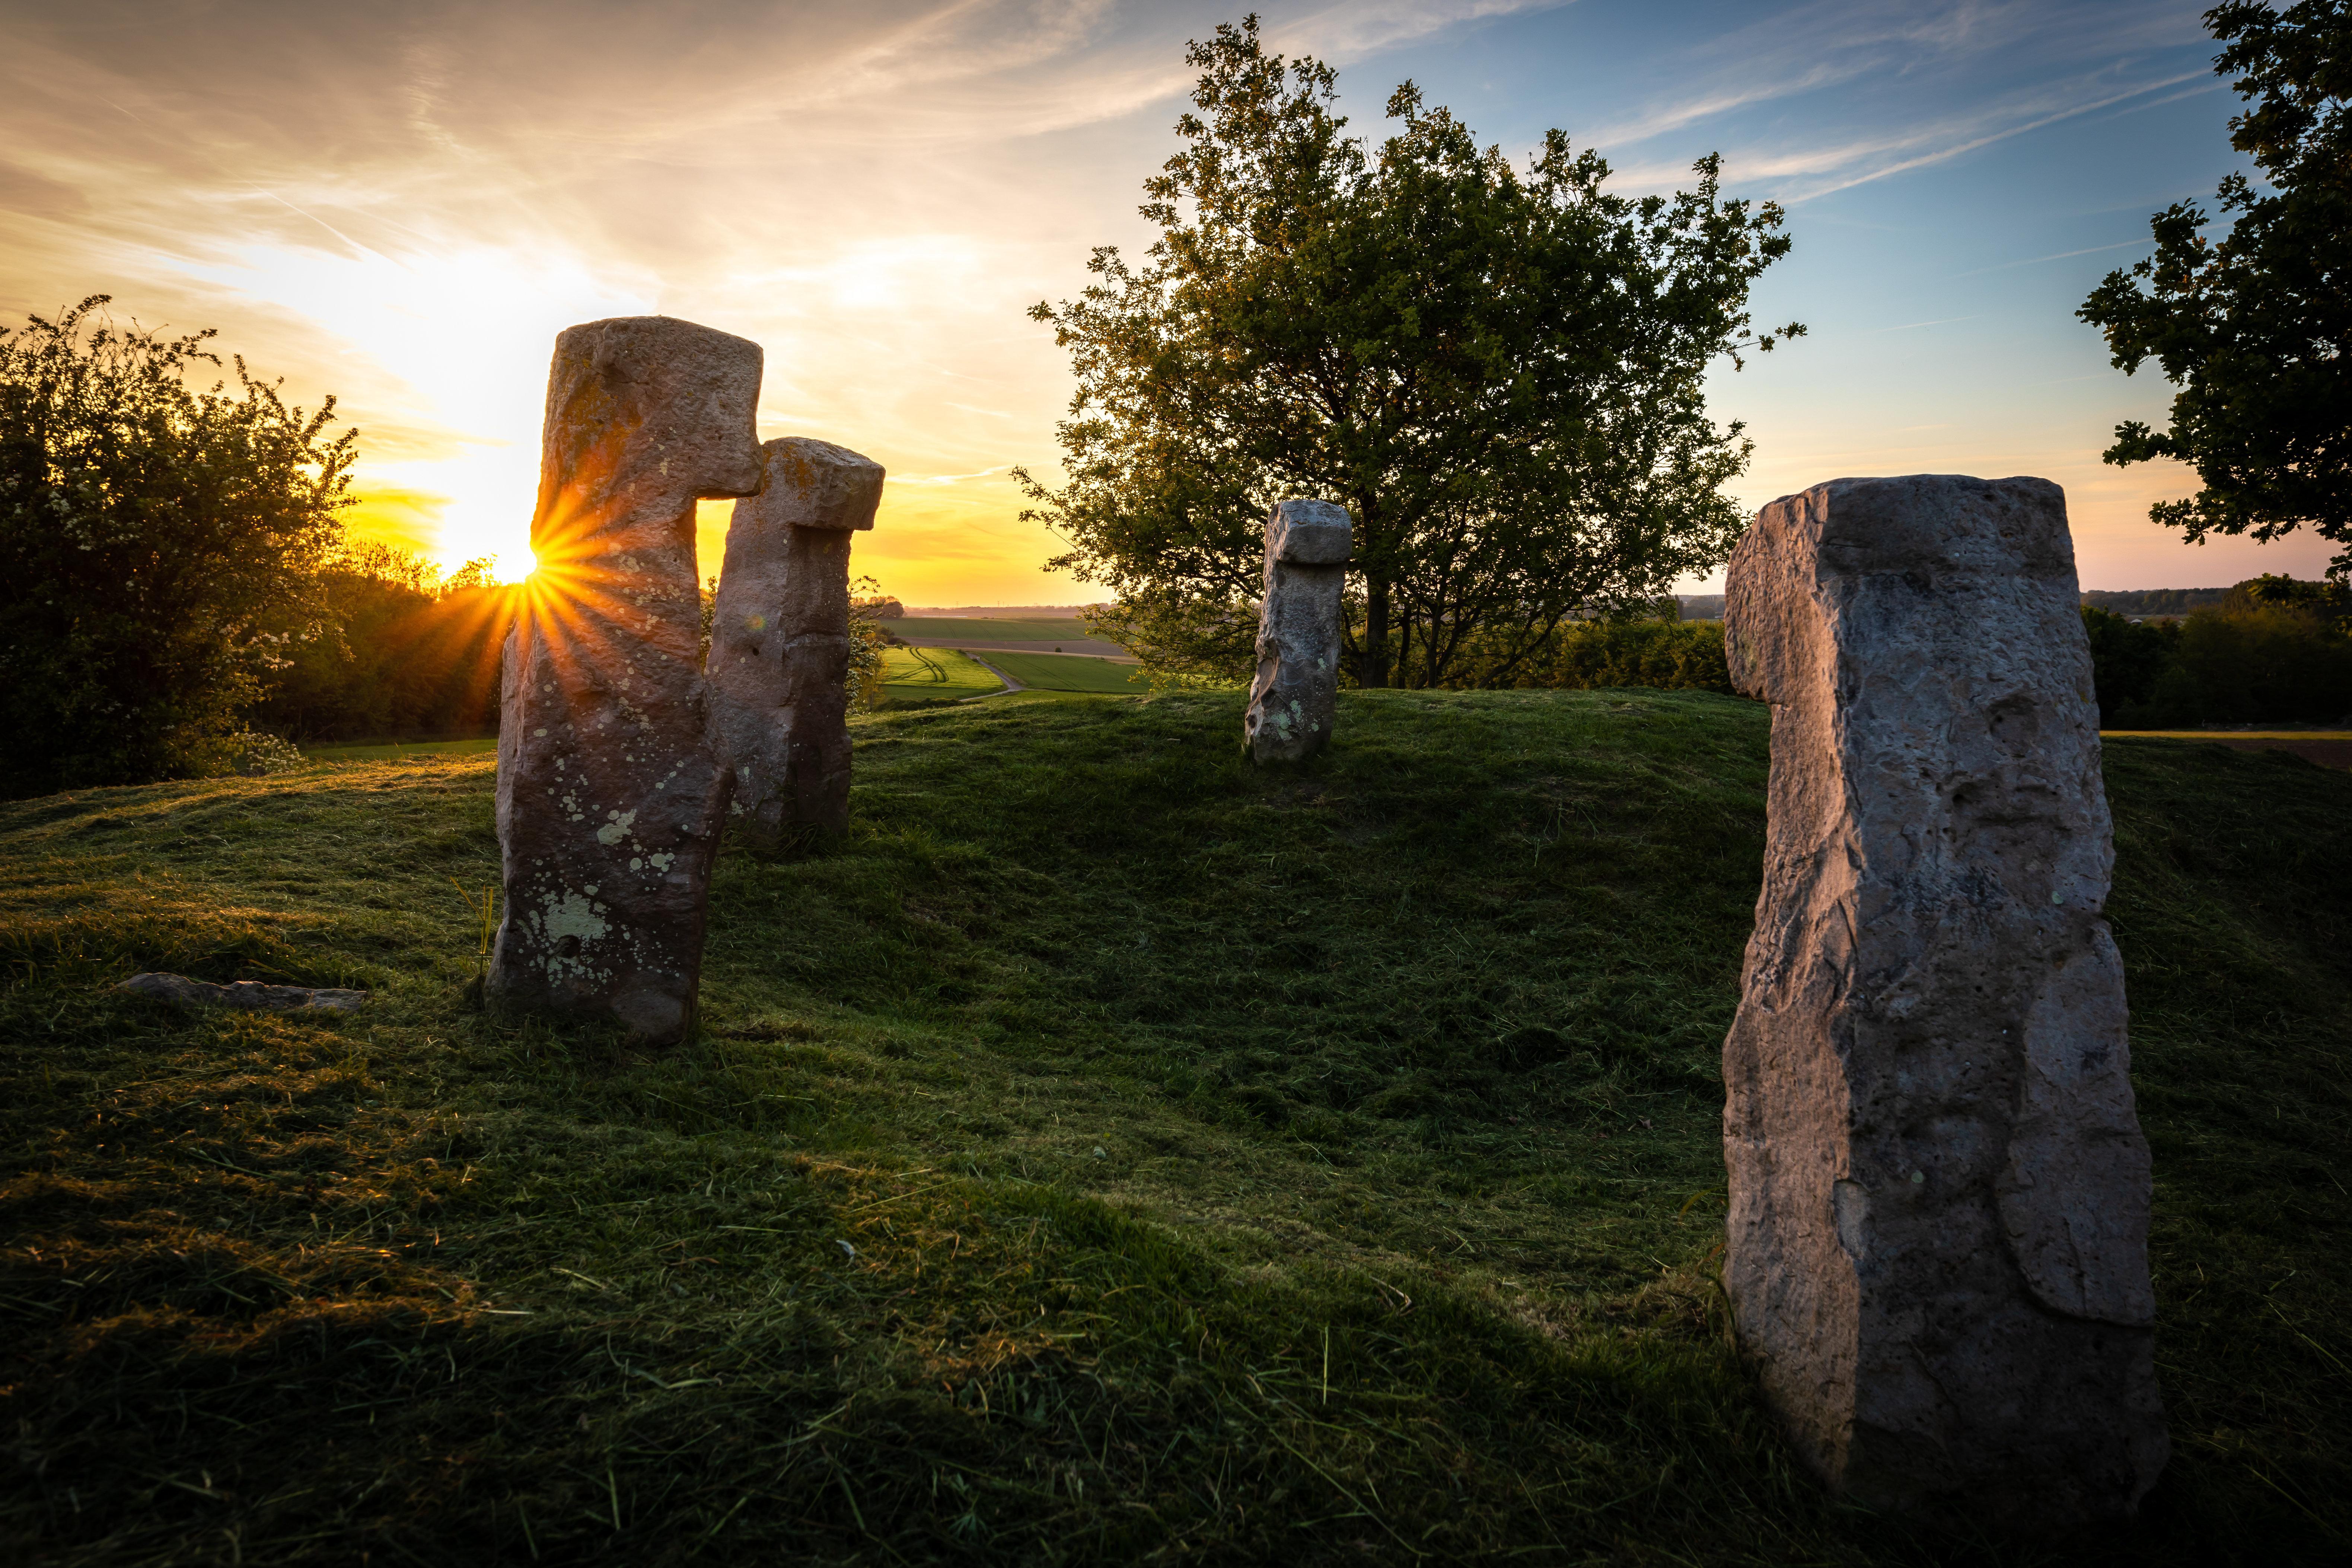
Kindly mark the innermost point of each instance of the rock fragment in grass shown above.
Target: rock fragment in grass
(1295, 695)
(248, 995)
(609, 796)
(1938, 1249)
(780, 640)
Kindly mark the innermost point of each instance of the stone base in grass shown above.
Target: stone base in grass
(198, 995)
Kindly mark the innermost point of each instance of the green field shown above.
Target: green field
(933, 675)
(1112, 1151)
(2311, 734)
(384, 751)
(1067, 672)
(964, 629)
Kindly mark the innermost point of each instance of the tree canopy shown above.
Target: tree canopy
(160, 549)
(2254, 328)
(1499, 373)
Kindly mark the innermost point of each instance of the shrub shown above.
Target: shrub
(256, 754)
(1685, 654)
(159, 549)
(2126, 657)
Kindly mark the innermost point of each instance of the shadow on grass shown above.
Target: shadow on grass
(1110, 1152)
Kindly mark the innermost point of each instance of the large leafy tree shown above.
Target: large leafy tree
(159, 549)
(2254, 328)
(1499, 372)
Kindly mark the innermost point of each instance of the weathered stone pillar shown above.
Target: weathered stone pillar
(609, 798)
(1937, 1247)
(1295, 695)
(780, 639)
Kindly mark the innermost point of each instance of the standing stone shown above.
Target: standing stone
(609, 798)
(1937, 1247)
(1295, 696)
(780, 639)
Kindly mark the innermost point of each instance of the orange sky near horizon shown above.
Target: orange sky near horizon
(403, 206)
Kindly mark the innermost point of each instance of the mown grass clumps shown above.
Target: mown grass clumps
(1111, 1152)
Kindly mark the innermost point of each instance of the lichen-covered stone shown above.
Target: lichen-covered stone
(1938, 1249)
(246, 995)
(780, 640)
(1295, 695)
(609, 798)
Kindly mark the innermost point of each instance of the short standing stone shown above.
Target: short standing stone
(608, 796)
(780, 639)
(1937, 1247)
(1295, 696)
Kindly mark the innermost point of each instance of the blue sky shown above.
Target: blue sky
(1958, 178)
(403, 204)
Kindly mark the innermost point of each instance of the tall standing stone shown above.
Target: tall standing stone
(1937, 1247)
(609, 798)
(1295, 696)
(780, 639)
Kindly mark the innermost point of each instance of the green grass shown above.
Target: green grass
(913, 676)
(1312, 1166)
(2310, 735)
(1068, 672)
(385, 750)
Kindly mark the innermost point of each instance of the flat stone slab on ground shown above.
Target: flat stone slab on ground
(248, 995)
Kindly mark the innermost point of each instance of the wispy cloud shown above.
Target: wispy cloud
(1868, 73)
(1354, 28)
(1949, 142)
(2054, 256)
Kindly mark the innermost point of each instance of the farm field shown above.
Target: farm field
(2328, 748)
(954, 629)
(1111, 1152)
(1067, 672)
(934, 674)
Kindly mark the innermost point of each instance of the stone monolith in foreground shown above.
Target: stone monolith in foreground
(780, 639)
(1937, 1247)
(609, 796)
(1295, 696)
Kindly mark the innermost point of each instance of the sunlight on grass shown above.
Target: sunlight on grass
(1111, 1148)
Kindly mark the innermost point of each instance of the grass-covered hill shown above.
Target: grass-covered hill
(1112, 1154)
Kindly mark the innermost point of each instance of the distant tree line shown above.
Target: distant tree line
(2138, 602)
(2274, 649)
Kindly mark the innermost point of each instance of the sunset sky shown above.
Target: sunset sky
(403, 204)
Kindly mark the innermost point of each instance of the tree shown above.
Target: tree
(402, 652)
(2127, 656)
(2256, 328)
(1498, 374)
(159, 549)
